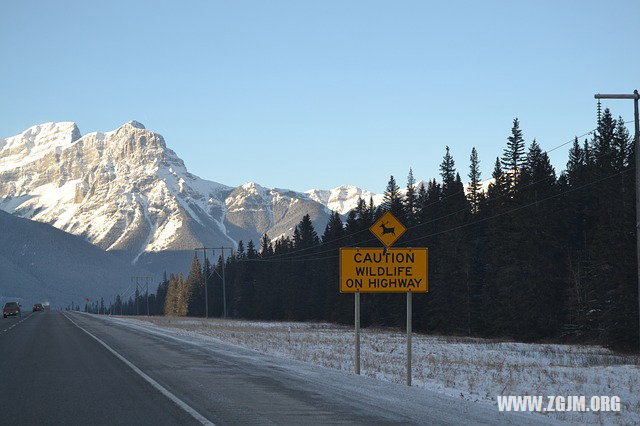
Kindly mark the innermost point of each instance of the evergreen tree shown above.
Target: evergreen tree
(251, 250)
(361, 208)
(161, 295)
(475, 185)
(513, 155)
(498, 187)
(304, 235)
(604, 140)
(193, 290)
(368, 218)
(352, 228)
(240, 251)
(447, 171)
(171, 302)
(182, 301)
(334, 228)
(266, 247)
(576, 161)
(621, 145)
(410, 200)
(392, 200)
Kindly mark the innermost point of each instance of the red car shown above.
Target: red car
(38, 307)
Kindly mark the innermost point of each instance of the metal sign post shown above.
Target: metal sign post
(357, 327)
(409, 318)
(384, 270)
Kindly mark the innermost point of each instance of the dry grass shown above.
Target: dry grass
(469, 368)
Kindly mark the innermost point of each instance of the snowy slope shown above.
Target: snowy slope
(343, 198)
(253, 210)
(36, 142)
(126, 191)
(121, 190)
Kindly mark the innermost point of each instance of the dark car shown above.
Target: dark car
(11, 309)
(38, 307)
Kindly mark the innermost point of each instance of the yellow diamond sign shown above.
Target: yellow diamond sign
(388, 229)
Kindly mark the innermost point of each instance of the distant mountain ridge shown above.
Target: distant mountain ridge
(41, 263)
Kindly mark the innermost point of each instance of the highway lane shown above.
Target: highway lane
(51, 372)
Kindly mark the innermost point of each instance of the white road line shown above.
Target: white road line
(22, 320)
(199, 417)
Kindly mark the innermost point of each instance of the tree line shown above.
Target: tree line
(535, 256)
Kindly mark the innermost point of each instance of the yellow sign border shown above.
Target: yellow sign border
(376, 225)
(384, 250)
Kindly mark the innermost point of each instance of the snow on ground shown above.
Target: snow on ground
(472, 369)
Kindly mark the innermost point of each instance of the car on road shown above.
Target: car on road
(38, 307)
(11, 309)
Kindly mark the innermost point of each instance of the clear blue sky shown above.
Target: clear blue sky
(303, 94)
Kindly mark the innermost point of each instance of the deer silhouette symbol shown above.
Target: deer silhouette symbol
(386, 230)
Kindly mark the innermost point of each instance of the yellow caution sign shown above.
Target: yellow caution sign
(388, 229)
(372, 270)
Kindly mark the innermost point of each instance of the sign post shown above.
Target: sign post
(384, 270)
(357, 326)
(409, 318)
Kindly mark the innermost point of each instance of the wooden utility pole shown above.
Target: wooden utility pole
(206, 290)
(636, 145)
(140, 283)
(224, 292)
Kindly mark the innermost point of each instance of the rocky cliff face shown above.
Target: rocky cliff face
(121, 190)
(253, 211)
(125, 191)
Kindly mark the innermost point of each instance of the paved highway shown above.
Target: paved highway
(71, 368)
(54, 373)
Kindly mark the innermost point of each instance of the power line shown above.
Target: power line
(302, 259)
(440, 200)
(309, 259)
(414, 226)
(224, 286)
(523, 206)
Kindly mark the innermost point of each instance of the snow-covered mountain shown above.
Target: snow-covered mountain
(252, 210)
(343, 198)
(122, 190)
(126, 192)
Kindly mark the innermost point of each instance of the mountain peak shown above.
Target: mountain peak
(254, 187)
(35, 142)
(136, 124)
(42, 133)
